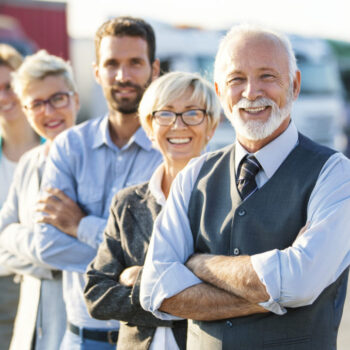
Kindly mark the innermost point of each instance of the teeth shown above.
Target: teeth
(180, 141)
(53, 124)
(125, 91)
(254, 109)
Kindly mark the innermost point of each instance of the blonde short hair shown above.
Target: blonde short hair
(10, 57)
(172, 86)
(39, 66)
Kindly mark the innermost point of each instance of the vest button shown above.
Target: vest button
(241, 212)
(236, 251)
(229, 324)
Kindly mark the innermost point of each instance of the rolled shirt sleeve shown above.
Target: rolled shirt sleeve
(293, 277)
(297, 275)
(164, 274)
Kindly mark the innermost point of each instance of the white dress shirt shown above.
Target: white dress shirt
(163, 337)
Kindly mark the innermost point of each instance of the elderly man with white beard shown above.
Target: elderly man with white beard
(253, 244)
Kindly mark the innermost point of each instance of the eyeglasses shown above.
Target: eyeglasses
(56, 101)
(189, 118)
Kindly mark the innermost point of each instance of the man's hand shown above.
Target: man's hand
(61, 211)
(234, 274)
(129, 275)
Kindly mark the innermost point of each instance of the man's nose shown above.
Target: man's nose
(252, 90)
(122, 74)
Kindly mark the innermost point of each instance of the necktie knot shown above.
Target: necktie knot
(246, 180)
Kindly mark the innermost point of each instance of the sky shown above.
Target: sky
(322, 18)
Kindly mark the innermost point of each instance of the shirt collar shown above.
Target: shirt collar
(103, 136)
(141, 139)
(274, 153)
(155, 185)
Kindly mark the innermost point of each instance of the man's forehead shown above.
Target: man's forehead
(258, 51)
(123, 46)
(260, 43)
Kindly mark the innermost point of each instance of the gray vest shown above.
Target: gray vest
(269, 219)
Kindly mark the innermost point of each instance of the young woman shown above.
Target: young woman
(16, 137)
(45, 86)
(180, 112)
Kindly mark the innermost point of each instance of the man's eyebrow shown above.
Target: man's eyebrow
(109, 60)
(137, 58)
(268, 69)
(236, 71)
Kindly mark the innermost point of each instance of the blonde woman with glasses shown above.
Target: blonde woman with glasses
(47, 91)
(180, 112)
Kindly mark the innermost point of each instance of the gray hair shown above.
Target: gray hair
(173, 85)
(223, 55)
(37, 67)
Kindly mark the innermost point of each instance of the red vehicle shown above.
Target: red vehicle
(33, 25)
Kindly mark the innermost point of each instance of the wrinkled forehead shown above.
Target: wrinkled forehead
(255, 51)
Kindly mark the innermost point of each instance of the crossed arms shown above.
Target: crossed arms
(224, 294)
(173, 283)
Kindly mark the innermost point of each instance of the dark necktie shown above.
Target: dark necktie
(246, 179)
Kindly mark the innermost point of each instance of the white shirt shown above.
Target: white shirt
(7, 169)
(163, 337)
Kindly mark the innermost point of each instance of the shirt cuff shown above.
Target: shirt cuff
(173, 281)
(90, 230)
(267, 267)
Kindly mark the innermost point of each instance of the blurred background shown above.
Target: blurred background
(188, 33)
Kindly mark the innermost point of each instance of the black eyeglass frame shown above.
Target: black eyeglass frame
(48, 101)
(180, 115)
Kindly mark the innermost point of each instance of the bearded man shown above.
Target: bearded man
(89, 164)
(266, 218)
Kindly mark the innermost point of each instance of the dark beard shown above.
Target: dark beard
(131, 106)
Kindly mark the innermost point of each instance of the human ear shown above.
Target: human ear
(155, 69)
(296, 84)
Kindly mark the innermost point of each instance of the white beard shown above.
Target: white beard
(257, 129)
